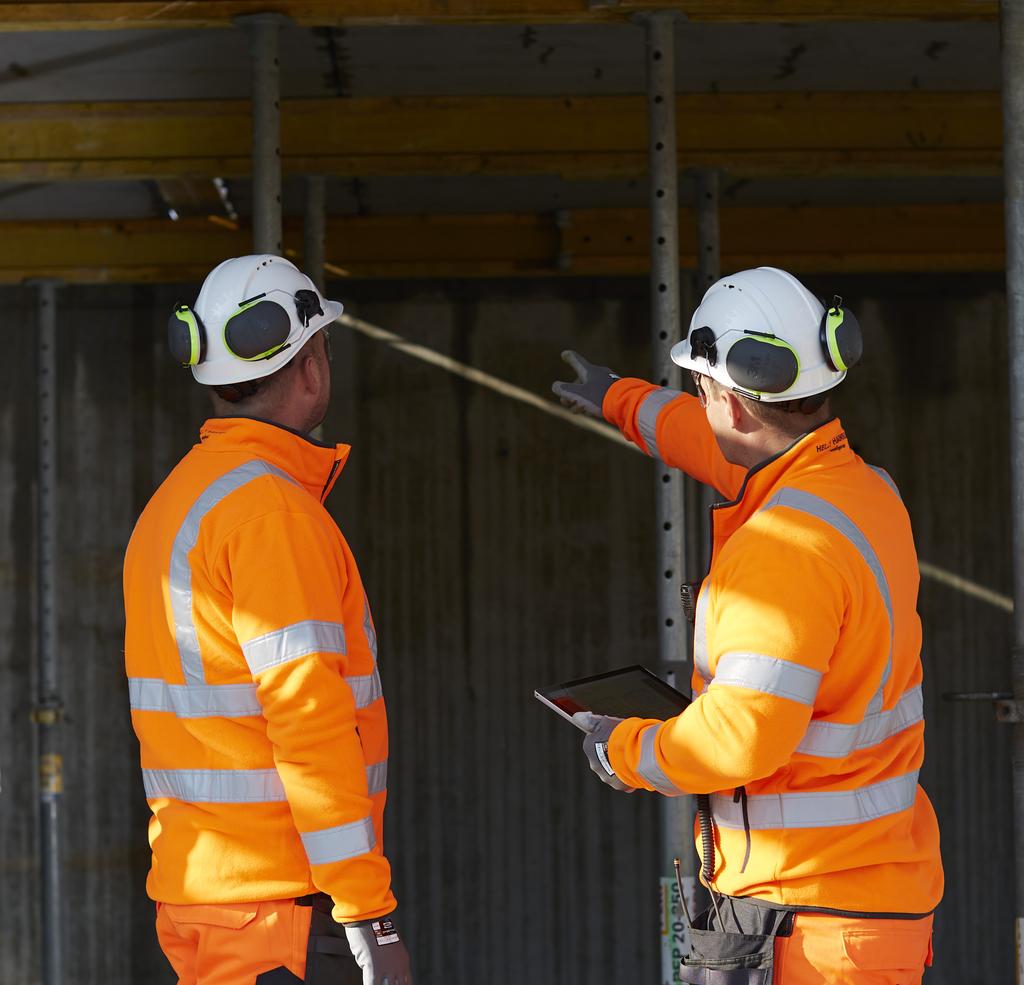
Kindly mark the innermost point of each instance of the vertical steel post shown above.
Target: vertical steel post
(677, 813)
(266, 130)
(1012, 16)
(709, 252)
(315, 230)
(709, 269)
(48, 709)
(314, 238)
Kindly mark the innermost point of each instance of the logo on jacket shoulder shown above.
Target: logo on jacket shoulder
(834, 445)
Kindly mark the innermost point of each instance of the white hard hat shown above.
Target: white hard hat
(252, 316)
(763, 334)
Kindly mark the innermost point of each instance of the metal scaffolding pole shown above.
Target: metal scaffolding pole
(266, 130)
(678, 812)
(709, 269)
(314, 238)
(48, 709)
(709, 255)
(1012, 15)
(315, 230)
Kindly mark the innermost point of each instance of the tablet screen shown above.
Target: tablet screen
(633, 692)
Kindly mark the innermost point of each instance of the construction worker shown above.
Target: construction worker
(806, 733)
(252, 664)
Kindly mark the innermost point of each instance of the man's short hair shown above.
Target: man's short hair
(783, 417)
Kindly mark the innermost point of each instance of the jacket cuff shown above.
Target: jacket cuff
(624, 750)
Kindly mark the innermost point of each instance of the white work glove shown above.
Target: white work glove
(379, 952)
(586, 394)
(595, 745)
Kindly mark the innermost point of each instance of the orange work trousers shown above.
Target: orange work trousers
(829, 950)
(241, 943)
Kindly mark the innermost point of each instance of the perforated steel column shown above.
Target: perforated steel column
(315, 230)
(1012, 14)
(678, 812)
(266, 130)
(709, 270)
(48, 709)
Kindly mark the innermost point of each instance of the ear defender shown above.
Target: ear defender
(259, 329)
(762, 363)
(841, 338)
(186, 336)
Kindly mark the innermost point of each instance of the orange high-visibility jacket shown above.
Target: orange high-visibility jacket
(808, 725)
(251, 660)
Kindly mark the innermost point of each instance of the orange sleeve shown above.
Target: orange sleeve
(773, 624)
(287, 581)
(671, 425)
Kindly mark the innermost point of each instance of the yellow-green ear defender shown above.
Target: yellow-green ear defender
(186, 336)
(841, 337)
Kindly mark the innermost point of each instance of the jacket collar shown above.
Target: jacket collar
(824, 448)
(311, 463)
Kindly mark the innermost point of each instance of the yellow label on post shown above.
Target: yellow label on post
(51, 774)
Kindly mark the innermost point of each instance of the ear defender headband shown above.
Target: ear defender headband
(259, 329)
(760, 362)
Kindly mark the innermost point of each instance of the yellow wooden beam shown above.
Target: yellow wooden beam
(604, 242)
(861, 134)
(89, 15)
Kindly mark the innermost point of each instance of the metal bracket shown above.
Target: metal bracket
(1007, 709)
(49, 712)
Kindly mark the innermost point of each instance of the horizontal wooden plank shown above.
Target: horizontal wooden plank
(749, 134)
(114, 14)
(605, 242)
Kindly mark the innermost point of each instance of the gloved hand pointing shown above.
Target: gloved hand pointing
(586, 395)
(379, 951)
(595, 745)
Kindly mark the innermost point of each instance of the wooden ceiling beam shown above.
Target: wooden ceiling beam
(119, 14)
(861, 134)
(603, 242)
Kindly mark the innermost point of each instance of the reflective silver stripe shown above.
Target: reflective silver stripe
(769, 675)
(647, 417)
(193, 700)
(180, 575)
(649, 768)
(365, 689)
(369, 629)
(215, 786)
(298, 640)
(337, 844)
(834, 740)
(818, 810)
(886, 478)
(377, 777)
(700, 633)
(805, 502)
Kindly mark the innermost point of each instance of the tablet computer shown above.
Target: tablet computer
(632, 692)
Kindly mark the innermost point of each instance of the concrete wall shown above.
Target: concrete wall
(501, 549)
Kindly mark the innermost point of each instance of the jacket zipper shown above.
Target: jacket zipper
(330, 478)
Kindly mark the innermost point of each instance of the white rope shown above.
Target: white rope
(966, 586)
(941, 575)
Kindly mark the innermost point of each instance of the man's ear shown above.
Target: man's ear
(310, 371)
(735, 410)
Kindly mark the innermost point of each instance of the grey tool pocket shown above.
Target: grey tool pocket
(739, 952)
(720, 958)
